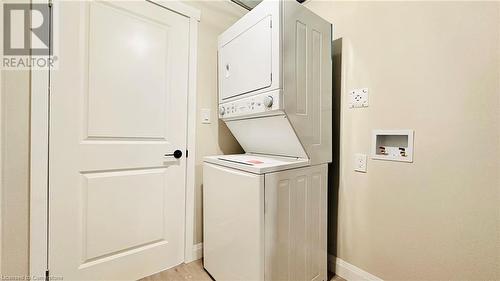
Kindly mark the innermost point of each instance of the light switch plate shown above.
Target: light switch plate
(205, 115)
(358, 98)
(360, 162)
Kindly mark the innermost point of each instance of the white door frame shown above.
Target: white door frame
(39, 149)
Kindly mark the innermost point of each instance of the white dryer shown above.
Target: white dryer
(265, 211)
(275, 81)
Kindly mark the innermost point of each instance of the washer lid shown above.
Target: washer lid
(269, 135)
(257, 164)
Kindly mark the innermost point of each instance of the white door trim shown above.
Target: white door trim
(191, 142)
(180, 8)
(39, 144)
(39, 141)
(39, 151)
(1, 141)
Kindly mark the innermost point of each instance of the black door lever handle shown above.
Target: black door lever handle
(177, 154)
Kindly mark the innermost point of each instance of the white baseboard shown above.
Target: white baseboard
(195, 252)
(341, 268)
(198, 251)
(348, 271)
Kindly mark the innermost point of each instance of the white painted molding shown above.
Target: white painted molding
(348, 271)
(39, 143)
(1, 140)
(189, 247)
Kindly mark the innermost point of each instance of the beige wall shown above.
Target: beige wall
(14, 169)
(214, 138)
(15, 172)
(433, 67)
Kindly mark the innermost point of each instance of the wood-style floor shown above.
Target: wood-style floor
(191, 271)
(186, 271)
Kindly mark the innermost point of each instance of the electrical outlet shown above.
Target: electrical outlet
(358, 98)
(360, 162)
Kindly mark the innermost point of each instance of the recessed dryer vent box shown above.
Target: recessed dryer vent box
(393, 145)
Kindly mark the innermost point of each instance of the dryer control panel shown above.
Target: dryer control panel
(262, 103)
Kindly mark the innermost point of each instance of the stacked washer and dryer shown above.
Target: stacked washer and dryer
(264, 211)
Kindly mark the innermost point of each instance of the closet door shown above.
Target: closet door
(118, 105)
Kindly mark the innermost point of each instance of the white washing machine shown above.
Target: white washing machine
(264, 218)
(264, 211)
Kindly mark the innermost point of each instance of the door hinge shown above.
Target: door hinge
(50, 3)
(187, 153)
(271, 24)
(47, 275)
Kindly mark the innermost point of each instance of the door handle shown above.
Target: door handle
(177, 154)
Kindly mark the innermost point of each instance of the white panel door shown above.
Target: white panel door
(118, 105)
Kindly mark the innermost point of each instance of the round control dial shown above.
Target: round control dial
(268, 101)
(222, 110)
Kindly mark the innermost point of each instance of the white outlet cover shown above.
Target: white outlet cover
(360, 162)
(358, 98)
